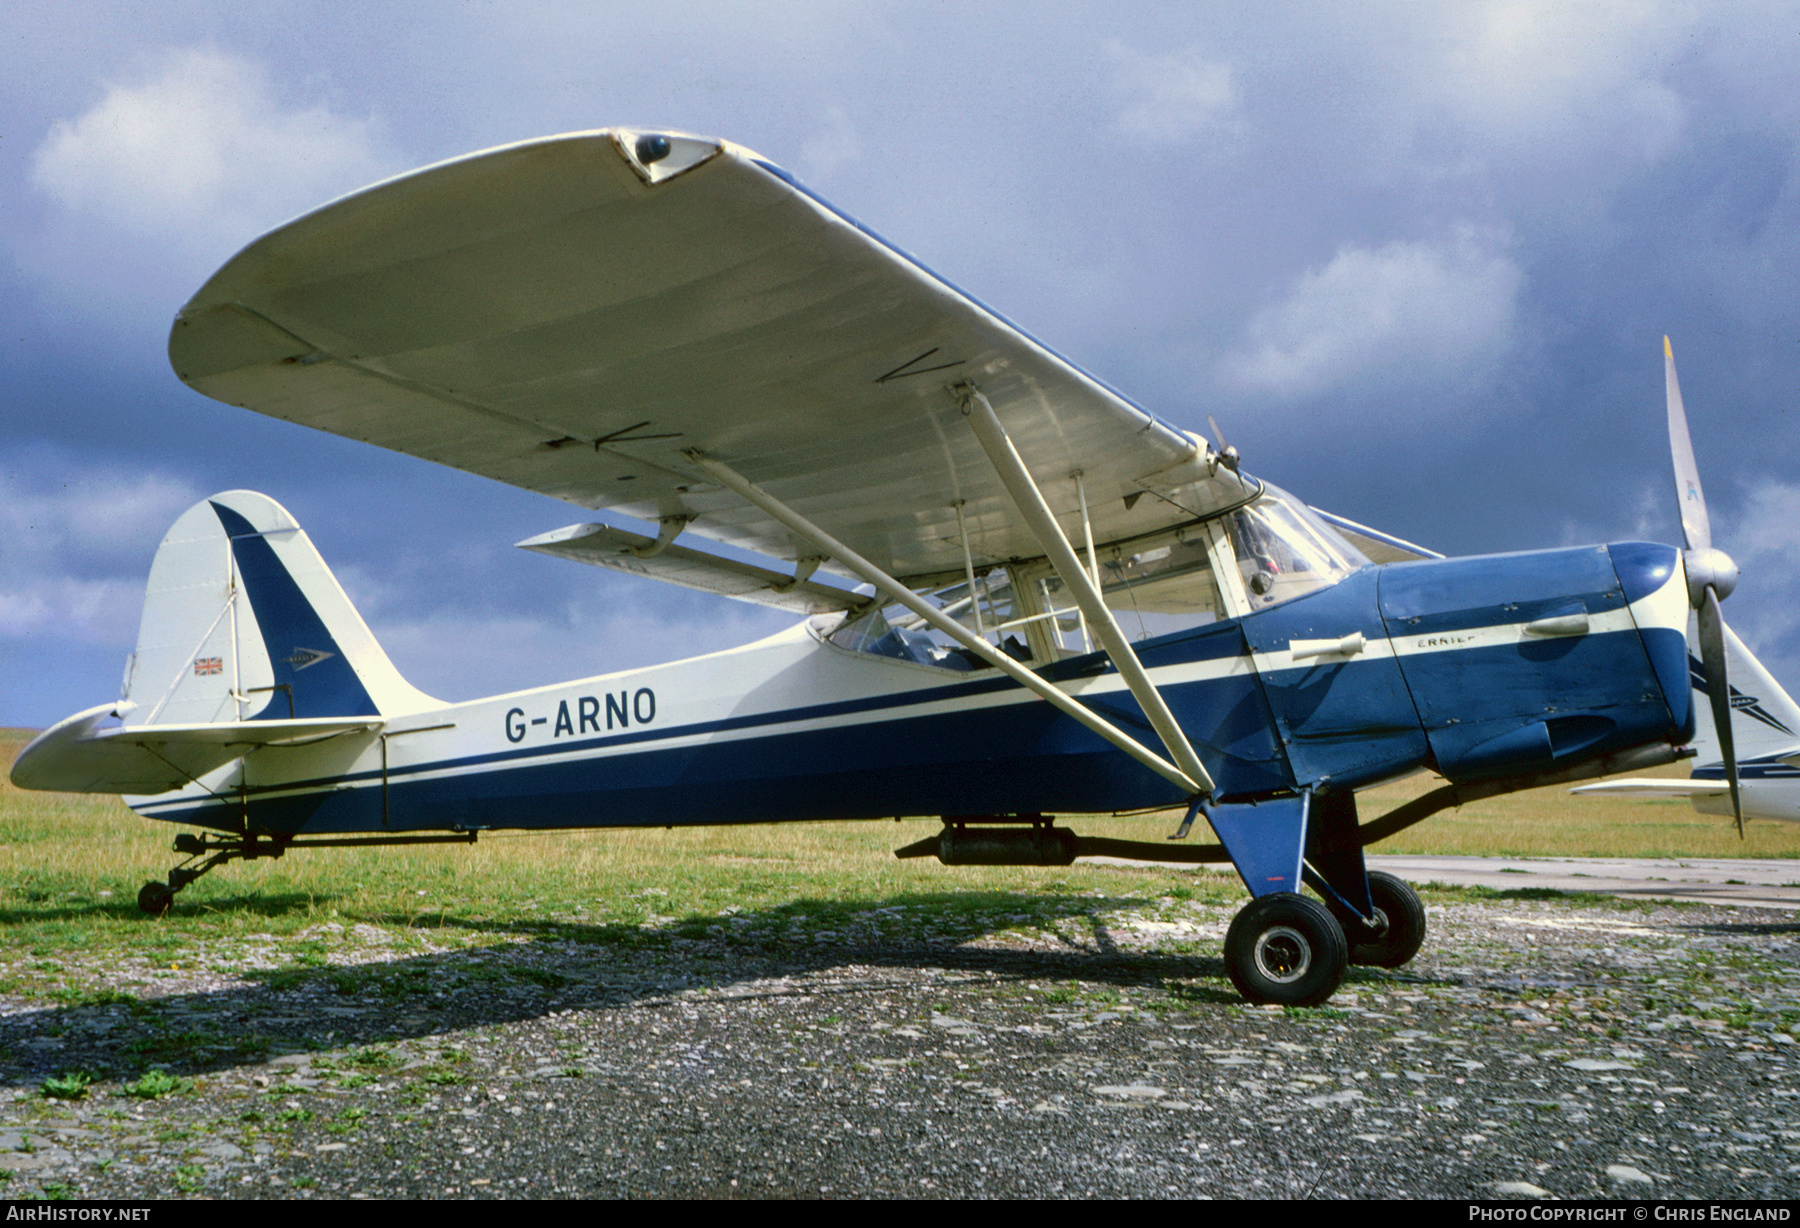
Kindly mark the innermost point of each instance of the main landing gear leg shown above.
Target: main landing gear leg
(1381, 916)
(1283, 948)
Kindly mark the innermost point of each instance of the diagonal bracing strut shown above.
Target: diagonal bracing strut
(1189, 782)
(1029, 501)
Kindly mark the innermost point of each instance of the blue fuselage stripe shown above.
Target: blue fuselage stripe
(1186, 646)
(1501, 705)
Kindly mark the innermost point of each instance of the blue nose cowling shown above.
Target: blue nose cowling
(1651, 576)
(1525, 663)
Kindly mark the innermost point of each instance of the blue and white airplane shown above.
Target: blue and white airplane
(1023, 595)
(1765, 723)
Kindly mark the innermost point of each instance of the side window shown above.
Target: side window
(1162, 588)
(1152, 589)
(1155, 586)
(896, 632)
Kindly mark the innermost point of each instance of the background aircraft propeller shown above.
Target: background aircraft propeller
(1711, 575)
(1227, 455)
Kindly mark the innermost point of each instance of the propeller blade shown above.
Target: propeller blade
(1718, 689)
(1228, 455)
(1696, 529)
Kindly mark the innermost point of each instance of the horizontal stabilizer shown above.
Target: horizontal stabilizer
(636, 554)
(1767, 792)
(77, 756)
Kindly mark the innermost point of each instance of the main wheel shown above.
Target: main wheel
(1286, 949)
(155, 898)
(1397, 906)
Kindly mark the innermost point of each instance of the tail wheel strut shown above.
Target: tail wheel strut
(156, 898)
(210, 849)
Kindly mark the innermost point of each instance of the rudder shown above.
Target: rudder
(243, 621)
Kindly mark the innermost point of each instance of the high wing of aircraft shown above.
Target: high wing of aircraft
(1023, 595)
(1765, 722)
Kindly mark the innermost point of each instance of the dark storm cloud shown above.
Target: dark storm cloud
(1417, 259)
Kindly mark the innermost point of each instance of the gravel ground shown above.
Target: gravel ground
(1537, 1048)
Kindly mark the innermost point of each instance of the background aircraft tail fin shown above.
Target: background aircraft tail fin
(1764, 717)
(244, 622)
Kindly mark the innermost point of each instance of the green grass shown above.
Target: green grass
(70, 1085)
(156, 1084)
(1551, 823)
(71, 865)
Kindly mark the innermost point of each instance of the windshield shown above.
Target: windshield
(1283, 550)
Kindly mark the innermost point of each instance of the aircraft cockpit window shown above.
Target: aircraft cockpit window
(1154, 586)
(1283, 550)
(1152, 589)
(895, 631)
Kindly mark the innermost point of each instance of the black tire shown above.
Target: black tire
(1396, 904)
(1286, 949)
(155, 898)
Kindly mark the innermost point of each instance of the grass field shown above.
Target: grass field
(71, 866)
(1550, 823)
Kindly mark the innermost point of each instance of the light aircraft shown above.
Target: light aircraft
(1022, 594)
(1765, 723)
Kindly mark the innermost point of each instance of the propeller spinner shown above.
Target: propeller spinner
(1711, 575)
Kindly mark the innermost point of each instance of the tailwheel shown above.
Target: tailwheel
(1286, 949)
(1401, 925)
(206, 850)
(155, 898)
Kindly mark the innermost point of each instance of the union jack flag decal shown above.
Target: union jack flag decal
(209, 665)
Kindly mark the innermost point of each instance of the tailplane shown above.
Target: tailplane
(247, 640)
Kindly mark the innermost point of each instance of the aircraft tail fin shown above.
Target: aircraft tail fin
(1764, 718)
(247, 640)
(244, 622)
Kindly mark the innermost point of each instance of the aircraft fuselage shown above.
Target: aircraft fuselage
(1502, 665)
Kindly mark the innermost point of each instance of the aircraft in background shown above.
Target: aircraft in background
(1766, 724)
(1021, 594)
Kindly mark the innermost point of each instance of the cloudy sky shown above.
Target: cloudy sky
(1417, 260)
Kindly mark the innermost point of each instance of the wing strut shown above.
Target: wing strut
(1030, 502)
(1188, 782)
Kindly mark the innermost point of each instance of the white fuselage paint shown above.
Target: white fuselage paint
(795, 670)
